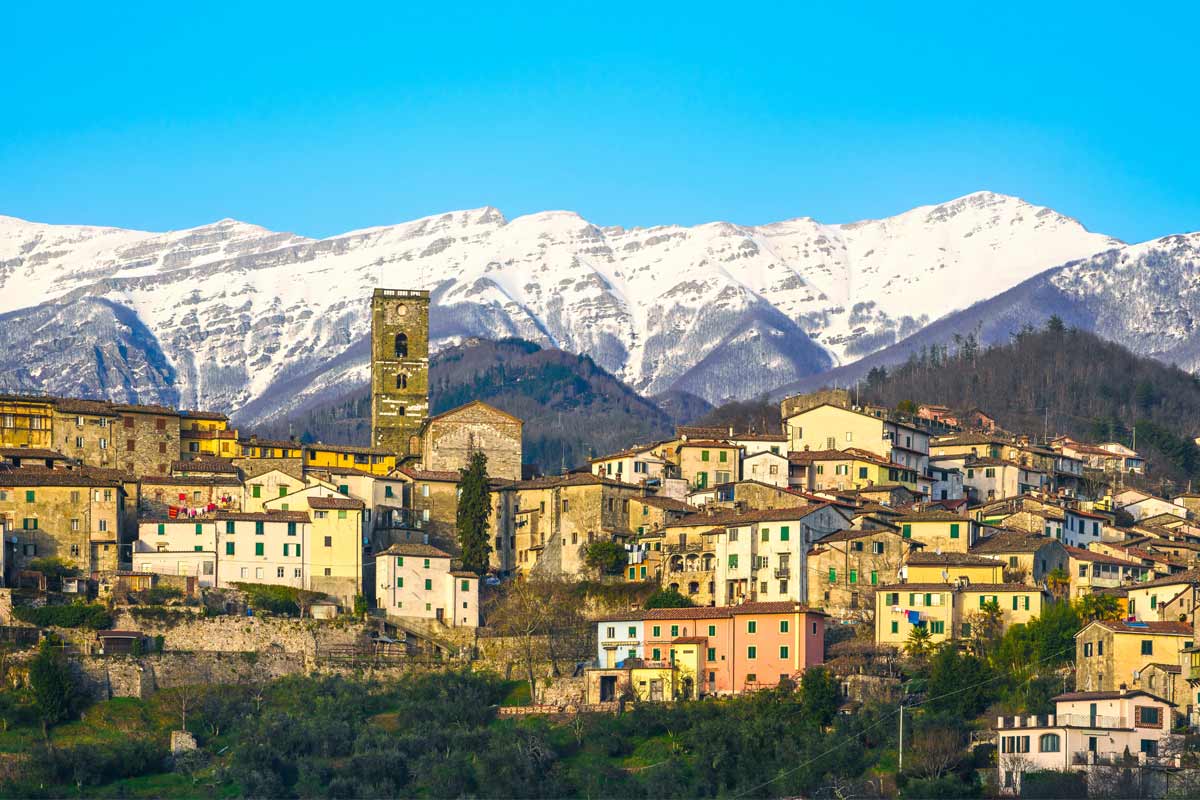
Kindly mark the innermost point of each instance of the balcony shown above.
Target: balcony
(688, 547)
(1112, 758)
(783, 572)
(1088, 721)
(1061, 720)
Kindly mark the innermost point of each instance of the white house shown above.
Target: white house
(415, 580)
(1087, 732)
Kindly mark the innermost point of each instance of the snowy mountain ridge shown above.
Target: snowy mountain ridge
(235, 317)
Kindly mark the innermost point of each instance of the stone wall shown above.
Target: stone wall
(253, 467)
(451, 438)
(802, 402)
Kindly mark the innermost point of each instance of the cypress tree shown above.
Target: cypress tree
(474, 508)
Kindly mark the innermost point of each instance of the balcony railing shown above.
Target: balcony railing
(783, 572)
(689, 547)
(1116, 759)
(1089, 721)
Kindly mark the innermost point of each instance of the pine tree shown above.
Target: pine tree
(474, 508)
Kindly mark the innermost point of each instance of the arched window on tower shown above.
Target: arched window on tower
(401, 345)
(401, 381)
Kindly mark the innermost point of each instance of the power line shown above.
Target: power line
(887, 717)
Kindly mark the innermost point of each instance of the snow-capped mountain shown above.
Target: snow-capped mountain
(1144, 296)
(235, 317)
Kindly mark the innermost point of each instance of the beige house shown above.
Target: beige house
(947, 610)
(1173, 598)
(846, 566)
(74, 515)
(266, 486)
(1091, 571)
(1109, 653)
(940, 530)
(828, 426)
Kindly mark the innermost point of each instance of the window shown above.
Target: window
(674, 631)
(1146, 716)
(907, 531)
(162, 529)
(937, 626)
(30, 496)
(712, 630)
(229, 552)
(784, 533)
(199, 529)
(783, 651)
(723, 456)
(874, 578)
(1087, 649)
(752, 626)
(1147, 647)
(751, 653)
(893, 598)
(401, 345)
(428, 584)
(832, 575)
(29, 523)
(733, 561)
(765, 535)
(854, 576)
(895, 627)
(704, 455)
(632, 629)
(656, 654)
(400, 585)
(291, 529)
(229, 526)
(953, 530)
(1150, 747)
(1048, 743)
(426, 564)
(966, 629)
(402, 381)
(711, 654)
(279, 572)
(877, 548)
(656, 631)
(258, 549)
(258, 528)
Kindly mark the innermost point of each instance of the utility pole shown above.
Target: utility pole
(900, 749)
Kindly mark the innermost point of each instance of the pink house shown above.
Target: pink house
(737, 648)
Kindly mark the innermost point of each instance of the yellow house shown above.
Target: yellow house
(855, 468)
(367, 459)
(676, 679)
(903, 606)
(335, 546)
(946, 609)
(253, 447)
(206, 433)
(707, 463)
(1017, 601)
(1108, 653)
(940, 530)
(26, 421)
(929, 567)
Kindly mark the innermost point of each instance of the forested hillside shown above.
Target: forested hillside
(1059, 381)
(572, 408)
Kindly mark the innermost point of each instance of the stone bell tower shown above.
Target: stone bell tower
(399, 369)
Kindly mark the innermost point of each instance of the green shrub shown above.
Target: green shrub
(282, 600)
(79, 615)
(158, 595)
(667, 598)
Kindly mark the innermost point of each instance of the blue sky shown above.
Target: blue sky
(320, 118)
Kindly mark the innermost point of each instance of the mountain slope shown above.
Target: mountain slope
(1144, 296)
(257, 321)
(1063, 382)
(572, 408)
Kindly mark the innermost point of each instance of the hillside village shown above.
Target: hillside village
(850, 536)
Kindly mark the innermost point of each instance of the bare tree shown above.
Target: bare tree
(936, 750)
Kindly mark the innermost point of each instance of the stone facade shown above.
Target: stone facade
(434, 504)
(159, 492)
(61, 514)
(84, 429)
(399, 368)
(845, 567)
(450, 439)
(147, 439)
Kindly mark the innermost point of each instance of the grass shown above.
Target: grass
(518, 695)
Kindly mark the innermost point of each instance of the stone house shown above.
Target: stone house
(556, 518)
(83, 430)
(1109, 653)
(263, 455)
(433, 501)
(74, 515)
(1027, 557)
(449, 439)
(844, 568)
(160, 492)
(147, 439)
(1173, 598)
(416, 580)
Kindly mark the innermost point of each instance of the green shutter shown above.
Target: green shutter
(199, 528)
(784, 533)
(229, 548)
(832, 575)
(907, 531)
(258, 548)
(854, 576)
(162, 529)
(953, 530)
